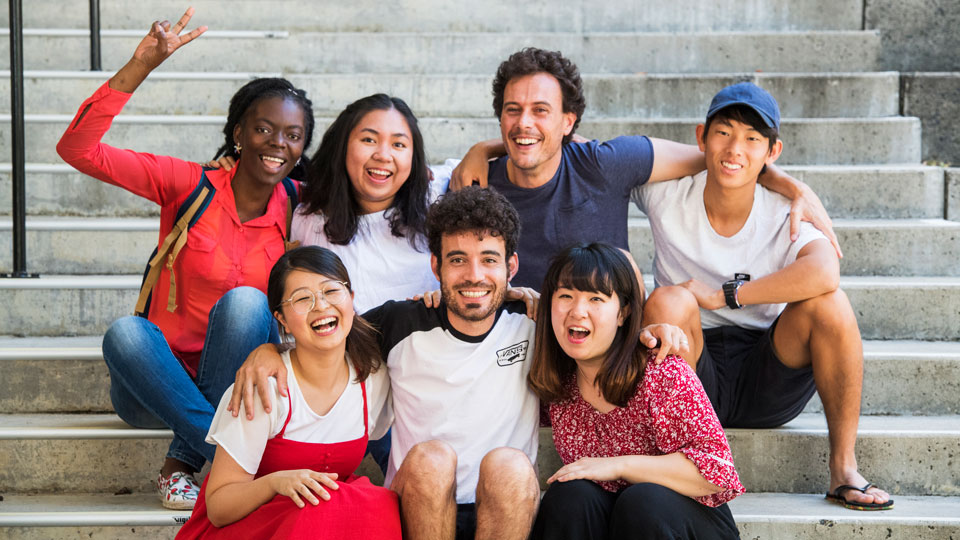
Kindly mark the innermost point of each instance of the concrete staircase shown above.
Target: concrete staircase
(70, 468)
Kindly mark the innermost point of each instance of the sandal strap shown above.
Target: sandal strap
(847, 487)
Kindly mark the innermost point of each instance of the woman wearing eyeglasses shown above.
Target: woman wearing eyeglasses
(288, 473)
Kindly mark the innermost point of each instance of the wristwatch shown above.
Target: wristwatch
(730, 289)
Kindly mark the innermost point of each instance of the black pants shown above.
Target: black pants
(580, 509)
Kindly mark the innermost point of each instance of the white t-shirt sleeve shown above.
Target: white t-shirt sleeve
(808, 233)
(441, 179)
(245, 440)
(379, 402)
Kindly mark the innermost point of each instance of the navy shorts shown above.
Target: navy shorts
(747, 383)
(466, 521)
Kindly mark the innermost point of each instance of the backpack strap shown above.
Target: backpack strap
(187, 215)
(293, 198)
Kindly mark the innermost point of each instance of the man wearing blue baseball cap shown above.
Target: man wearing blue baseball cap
(570, 190)
(767, 322)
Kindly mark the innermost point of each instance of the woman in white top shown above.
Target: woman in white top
(365, 198)
(286, 473)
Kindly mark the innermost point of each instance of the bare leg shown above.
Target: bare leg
(171, 465)
(836, 353)
(507, 495)
(427, 485)
(677, 306)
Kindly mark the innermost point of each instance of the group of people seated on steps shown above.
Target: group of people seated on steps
(328, 350)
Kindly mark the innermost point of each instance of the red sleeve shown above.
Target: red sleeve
(161, 179)
(684, 421)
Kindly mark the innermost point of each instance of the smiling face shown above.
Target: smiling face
(271, 135)
(735, 152)
(473, 276)
(379, 155)
(326, 326)
(532, 125)
(585, 323)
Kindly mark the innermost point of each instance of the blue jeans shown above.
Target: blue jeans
(150, 388)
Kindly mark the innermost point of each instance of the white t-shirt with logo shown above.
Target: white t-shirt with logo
(687, 246)
(468, 391)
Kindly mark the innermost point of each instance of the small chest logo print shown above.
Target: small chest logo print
(512, 354)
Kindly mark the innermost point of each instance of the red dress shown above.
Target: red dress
(358, 509)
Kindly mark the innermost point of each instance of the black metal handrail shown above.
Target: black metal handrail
(18, 170)
(18, 162)
(95, 35)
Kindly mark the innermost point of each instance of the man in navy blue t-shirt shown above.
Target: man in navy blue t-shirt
(568, 192)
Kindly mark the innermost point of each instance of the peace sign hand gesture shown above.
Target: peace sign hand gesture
(159, 43)
(162, 40)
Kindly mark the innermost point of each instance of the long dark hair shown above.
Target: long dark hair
(253, 92)
(328, 188)
(362, 344)
(600, 268)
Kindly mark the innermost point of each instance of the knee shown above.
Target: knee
(574, 501)
(430, 468)
(506, 465)
(673, 304)
(242, 301)
(830, 309)
(127, 339)
(643, 507)
(507, 472)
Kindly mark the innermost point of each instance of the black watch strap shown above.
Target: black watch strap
(730, 289)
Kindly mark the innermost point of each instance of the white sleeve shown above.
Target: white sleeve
(808, 233)
(441, 179)
(639, 196)
(379, 402)
(245, 439)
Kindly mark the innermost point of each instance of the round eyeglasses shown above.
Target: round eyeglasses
(304, 300)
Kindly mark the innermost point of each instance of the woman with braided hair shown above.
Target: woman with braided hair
(208, 309)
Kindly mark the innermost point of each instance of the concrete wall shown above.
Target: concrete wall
(917, 35)
(952, 193)
(935, 99)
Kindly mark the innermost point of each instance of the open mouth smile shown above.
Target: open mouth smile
(325, 326)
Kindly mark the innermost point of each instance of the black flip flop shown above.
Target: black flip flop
(837, 497)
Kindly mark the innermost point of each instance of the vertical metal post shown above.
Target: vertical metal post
(18, 173)
(95, 36)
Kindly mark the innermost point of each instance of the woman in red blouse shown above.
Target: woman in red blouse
(644, 454)
(170, 369)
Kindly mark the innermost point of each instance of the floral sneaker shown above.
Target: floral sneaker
(178, 491)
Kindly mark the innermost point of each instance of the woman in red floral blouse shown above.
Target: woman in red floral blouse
(644, 454)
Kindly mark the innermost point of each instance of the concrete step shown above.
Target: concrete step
(84, 245)
(862, 192)
(768, 516)
(801, 95)
(56, 245)
(924, 308)
(808, 141)
(67, 453)
(473, 52)
(904, 454)
(58, 189)
(879, 247)
(908, 378)
(440, 16)
(52, 375)
(88, 515)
